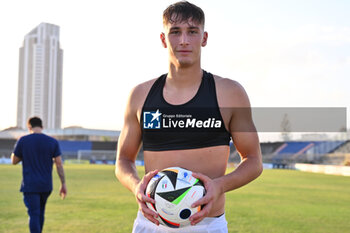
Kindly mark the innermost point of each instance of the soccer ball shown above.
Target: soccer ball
(174, 190)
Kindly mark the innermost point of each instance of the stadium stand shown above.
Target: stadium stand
(6, 147)
(339, 156)
(293, 148)
(280, 154)
(343, 148)
(69, 148)
(305, 152)
(325, 147)
(270, 147)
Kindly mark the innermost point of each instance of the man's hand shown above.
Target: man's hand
(141, 198)
(212, 194)
(63, 191)
(15, 159)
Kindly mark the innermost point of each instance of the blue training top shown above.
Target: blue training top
(36, 151)
(195, 124)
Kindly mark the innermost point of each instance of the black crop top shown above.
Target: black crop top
(194, 124)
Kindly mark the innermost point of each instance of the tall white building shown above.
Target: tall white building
(40, 77)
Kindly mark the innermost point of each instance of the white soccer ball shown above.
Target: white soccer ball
(174, 190)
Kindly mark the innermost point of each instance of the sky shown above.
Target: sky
(284, 53)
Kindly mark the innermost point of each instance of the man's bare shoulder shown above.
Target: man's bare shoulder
(226, 84)
(143, 87)
(230, 93)
(139, 93)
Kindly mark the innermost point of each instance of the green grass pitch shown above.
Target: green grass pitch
(278, 201)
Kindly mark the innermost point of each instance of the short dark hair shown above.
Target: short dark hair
(183, 11)
(35, 122)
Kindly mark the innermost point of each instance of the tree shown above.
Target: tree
(285, 128)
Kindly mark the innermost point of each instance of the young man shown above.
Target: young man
(37, 152)
(186, 118)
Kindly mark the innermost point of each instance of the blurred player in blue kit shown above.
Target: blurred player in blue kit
(38, 152)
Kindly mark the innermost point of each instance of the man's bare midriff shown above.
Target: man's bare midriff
(210, 161)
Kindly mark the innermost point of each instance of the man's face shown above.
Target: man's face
(184, 41)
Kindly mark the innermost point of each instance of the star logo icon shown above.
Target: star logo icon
(156, 115)
(152, 120)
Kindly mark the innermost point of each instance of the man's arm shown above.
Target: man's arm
(129, 143)
(246, 141)
(60, 172)
(128, 146)
(247, 144)
(15, 159)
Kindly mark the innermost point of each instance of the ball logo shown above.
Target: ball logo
(169, 205)
(151, 120)
(185, 175)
